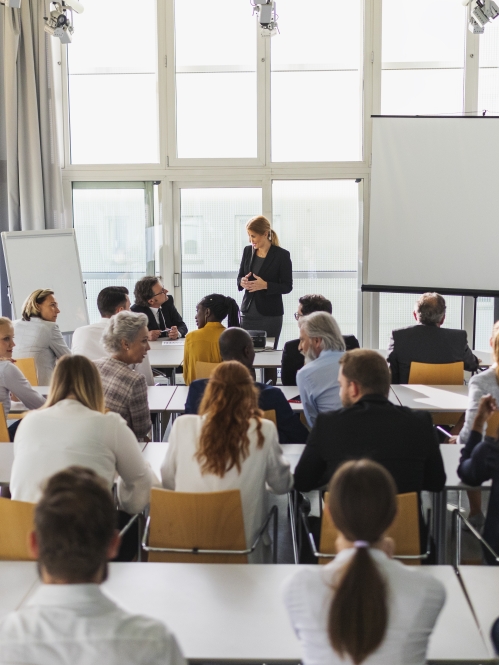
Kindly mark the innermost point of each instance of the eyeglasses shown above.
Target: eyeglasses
(297, 316)
(155, 295)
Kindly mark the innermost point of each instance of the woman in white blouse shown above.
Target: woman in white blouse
(72, 429)
(38, 335)
(364, 607)
(12, 380)
(229, 446)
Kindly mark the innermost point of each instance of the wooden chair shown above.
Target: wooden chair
(270, 415)
(404, 531)
(4, 432)
(28, 368)
(202, 527)
(17, 521)
(447, 374)
(204, 370)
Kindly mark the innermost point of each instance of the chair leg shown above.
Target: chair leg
(275, 526)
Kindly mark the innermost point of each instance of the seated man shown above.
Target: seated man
(87, 340)
(322, 345)
(152, 300)
(480, 462)
(68, 619)
(292, 359)
(236, 344)
(369, 425)
(428, 342)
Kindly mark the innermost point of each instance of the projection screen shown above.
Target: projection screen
(434, 214)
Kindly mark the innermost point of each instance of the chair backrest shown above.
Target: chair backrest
(28, 368)
(17, 521)
(4, 432)
(270, 415)
(204, 520)
(204, 370)
(493, 425)
(404, 530)
(447, 374)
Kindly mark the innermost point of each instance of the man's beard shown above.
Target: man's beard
(309, 355)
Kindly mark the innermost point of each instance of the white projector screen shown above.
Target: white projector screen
(434, 216)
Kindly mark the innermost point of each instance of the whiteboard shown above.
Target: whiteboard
(434, 214)
(46, 260)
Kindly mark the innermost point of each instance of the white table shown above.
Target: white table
(17, 579)
(177, 403)
(432, 398)
(482, 586)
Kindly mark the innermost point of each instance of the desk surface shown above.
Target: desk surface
(177, 403)
(17, 578)
(482, 586)
(432, 398)
(158, 397)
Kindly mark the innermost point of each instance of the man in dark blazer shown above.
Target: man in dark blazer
(152, 300)
(428, 342)
(236, 344)
(292, 358)
(369, 425)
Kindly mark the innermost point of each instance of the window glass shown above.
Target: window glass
(113, 100)
(215, 47)
(316, 82)
(484, 323)
(422, 62)
(488, 81)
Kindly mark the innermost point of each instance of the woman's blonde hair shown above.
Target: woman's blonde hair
(495, 347)
(76, 376)
(32, 302)
(229, 402)
(261, 226)
(5, 321)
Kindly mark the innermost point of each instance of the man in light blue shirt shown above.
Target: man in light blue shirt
(322, 345)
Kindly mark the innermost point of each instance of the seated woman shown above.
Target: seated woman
(202, 344)
(229, 446)
(364, 607)
(125, 391)
(480, 462)
(73, 429)
(38, 335)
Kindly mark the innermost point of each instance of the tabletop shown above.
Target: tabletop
(432, 398)
(158, 397)
(482, 587)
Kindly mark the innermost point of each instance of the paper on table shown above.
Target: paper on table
(173, 342)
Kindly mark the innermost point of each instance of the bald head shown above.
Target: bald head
(430, 309)
(236, 344)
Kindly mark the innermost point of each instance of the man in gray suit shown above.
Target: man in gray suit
(428, 342)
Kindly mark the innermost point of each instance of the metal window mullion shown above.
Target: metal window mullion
(177, 246)
(170, 116)
(471, 70)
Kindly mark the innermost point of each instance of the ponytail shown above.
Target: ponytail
(222, 306)
(495, 347)
(362, 503)
(273, 237)
(233, 320)
(261, 226)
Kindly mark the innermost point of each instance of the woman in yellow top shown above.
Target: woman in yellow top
(202, 344)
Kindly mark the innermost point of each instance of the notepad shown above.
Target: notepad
(173, 342)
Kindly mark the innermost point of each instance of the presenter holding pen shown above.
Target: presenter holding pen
(265, 275)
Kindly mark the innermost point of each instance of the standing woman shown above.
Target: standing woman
(266, 273)
(38, 335)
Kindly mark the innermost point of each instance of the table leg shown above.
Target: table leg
(440, 523)
(262, 374)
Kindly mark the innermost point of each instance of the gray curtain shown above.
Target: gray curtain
(30, 173)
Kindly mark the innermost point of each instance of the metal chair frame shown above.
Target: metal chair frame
(273, 515)
(456, 515)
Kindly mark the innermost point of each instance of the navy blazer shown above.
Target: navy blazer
(172, 317)
(427, 344)
(289, 426)
(277, 271)
(293, 359)
(480, 462)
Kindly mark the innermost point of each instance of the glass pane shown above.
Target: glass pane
(484, 323)
(411, 33)
(488, 81)
(318, 223)
(113, 85)
(213, 236)
(395, 311)
(216, 80)
(110, 227)
(316, 83)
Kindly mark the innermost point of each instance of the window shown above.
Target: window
(215, 79)
(395, 311)
(213, 220)
(488, 81)
(115, 234)
(317, 82)
(484, 323)
(113, 100)
(422, 57)
(317, 221)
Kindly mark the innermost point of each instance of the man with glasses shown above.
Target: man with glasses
(292, 359)
(152, 300)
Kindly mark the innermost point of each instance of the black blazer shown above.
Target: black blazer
(172, 317)
(293, 360)
(403, 441)
(277, 271)
(427, 344)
